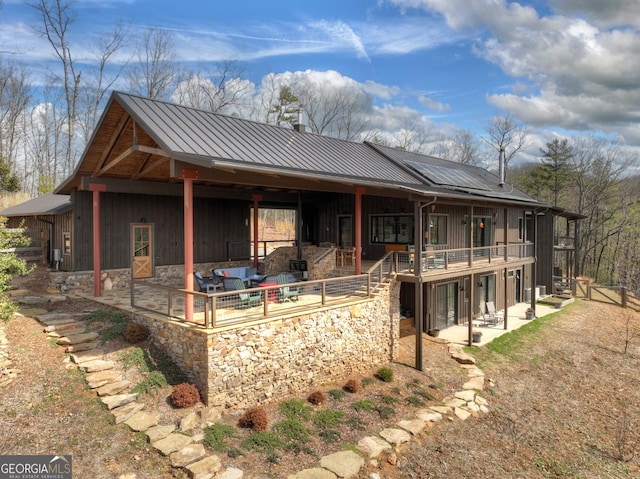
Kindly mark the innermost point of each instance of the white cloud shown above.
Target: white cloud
(433, 104)
(583, 68)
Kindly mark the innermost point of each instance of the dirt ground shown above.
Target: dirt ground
(566, 403)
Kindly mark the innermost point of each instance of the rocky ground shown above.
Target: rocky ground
(563, 402)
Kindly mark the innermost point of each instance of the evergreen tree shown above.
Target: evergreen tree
(10, 265)
(9, 182)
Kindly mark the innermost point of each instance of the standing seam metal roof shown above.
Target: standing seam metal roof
(186, 131)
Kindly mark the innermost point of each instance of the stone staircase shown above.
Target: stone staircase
(185, 449)
(106, 378)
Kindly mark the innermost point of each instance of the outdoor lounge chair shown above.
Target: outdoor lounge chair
(495, 316)
(205, 283)
(287, 293)
(245, 299)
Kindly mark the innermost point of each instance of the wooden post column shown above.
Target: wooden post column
(358, 230)
(188, 176)
(97, 283)
(256, 199)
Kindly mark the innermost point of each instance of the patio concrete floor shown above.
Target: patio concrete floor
(459, 334)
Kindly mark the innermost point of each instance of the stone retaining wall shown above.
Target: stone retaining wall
(246, 366)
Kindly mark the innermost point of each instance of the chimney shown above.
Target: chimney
(299, 127)
(501, 165)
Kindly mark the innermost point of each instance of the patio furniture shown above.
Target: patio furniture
(246, 299)
(245, 273)
(433, 259)
(287, 293)
(495, 316)
(207, 284)
(272, 297)
(345, 256)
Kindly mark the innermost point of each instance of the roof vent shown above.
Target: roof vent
(299, 127)
(501, 165)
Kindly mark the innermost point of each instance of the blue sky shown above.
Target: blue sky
(560, 66)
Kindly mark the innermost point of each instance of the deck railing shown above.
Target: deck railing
(214, 310)
(230, 308)
(444, 259)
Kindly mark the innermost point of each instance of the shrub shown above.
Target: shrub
(185, 395)
(254, 418)
(363, 405)
(216, 435)
(295, 408)
(317, 397)
(328, 418)
(352, 386)
(337, 394)
(155, 379)
(263, 441)
(366, 382)
(385, 374)
(135, 333)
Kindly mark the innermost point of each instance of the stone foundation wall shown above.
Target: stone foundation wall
(271, 361)
(186, 345)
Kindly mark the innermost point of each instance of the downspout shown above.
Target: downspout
(417, 269)
(52, 224)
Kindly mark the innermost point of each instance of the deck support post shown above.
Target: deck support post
(256, 231)
(358, 230)
(188, 176)
(97, 283)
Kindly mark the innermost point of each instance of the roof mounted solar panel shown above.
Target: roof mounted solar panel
(442, 175)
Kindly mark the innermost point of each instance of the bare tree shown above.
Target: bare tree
(220, 90)
(338, 112)
(45, 140)
(507, 137)
(98, 82)
(465, 148)
(154, 72)
(56, 17)
(15, 96)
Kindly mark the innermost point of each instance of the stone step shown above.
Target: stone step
(54, 318)
(76, 348)
(154, 434)
(143, 420)
(96, 365)
(172, 443)
(90, 355)
(99, 379)
(119, 400)
(67, 332)
(122, 413)
(204, 468)
(187, 455)
(67, 324)
(77, 339)
(112, 389)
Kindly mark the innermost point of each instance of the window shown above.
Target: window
(520, 228)
(66, 243)
(391, 229)
(438, 229)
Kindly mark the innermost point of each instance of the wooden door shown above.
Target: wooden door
(142, 249)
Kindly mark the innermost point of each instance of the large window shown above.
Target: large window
(391, 229)
(438, 229)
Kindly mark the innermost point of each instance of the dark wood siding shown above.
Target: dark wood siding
(45, 233)
(216, 223)
(544, 251)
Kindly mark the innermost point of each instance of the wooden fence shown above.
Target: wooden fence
(584, 288)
